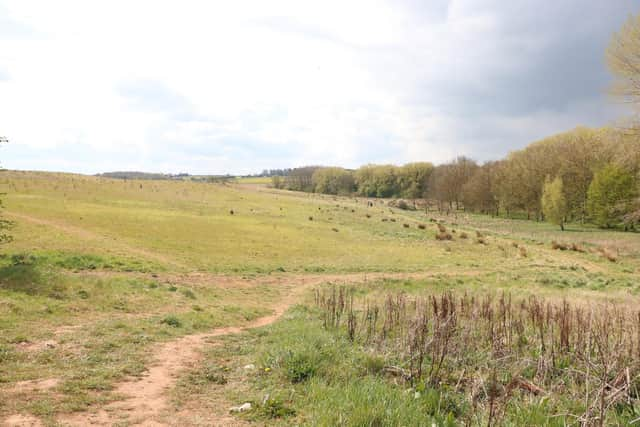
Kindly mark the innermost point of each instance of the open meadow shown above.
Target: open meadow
(126, 302)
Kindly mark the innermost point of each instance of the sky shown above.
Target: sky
(214, 87)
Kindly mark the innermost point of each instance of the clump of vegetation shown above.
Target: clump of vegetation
(607, 254)
(189, 293)
(523, 251)
(496, 355)
(464, 235)
(273, 408)
(444, 236)
(405, 225)
(172, 321)
(422, 226)
(402, 205)
(577, 248)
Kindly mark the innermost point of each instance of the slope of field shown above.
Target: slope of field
(105, 277)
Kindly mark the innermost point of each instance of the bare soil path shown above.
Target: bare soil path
(146, 399)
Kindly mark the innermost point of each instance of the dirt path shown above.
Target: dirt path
(147, 396)
(89, 235)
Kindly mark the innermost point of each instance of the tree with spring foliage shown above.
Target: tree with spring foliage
(623, 58)
(611, 195)
(554, 203)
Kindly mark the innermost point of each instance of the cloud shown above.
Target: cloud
(239, 87)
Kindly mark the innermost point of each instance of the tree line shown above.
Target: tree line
(585, 175)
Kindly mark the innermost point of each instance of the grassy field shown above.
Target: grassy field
(263, 180)
(103, 274)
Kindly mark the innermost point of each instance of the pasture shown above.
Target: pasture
(123, 301)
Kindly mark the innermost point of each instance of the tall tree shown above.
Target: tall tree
(333, 181)
(611, 195)
(554, 204)
(623, 58)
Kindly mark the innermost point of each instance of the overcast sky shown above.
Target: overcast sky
(240, 86)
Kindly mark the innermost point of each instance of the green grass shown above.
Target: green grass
(101, 328)
(264, 180)
(309, 375)
(97, 266)
(188, 226)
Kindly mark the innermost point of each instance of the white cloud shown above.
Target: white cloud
(196, 85)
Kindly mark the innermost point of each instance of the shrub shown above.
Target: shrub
(275, 408)
(443, 236)
(422, 226)
(23, 259)
(608, 254)
(464, 235)
(577, 248)
(172, 321)
(299, 366)
(559, 245)
(208, 374)
(189, 293)
(405, 225)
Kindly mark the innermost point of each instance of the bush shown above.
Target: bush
(275, 408)
(172, 321)
(299, 366)
(189, 293)
(443, 236)
(23, 259)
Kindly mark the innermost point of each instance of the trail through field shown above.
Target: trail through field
(146, 398)
(85, 234)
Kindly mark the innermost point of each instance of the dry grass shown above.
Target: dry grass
(497, 351)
